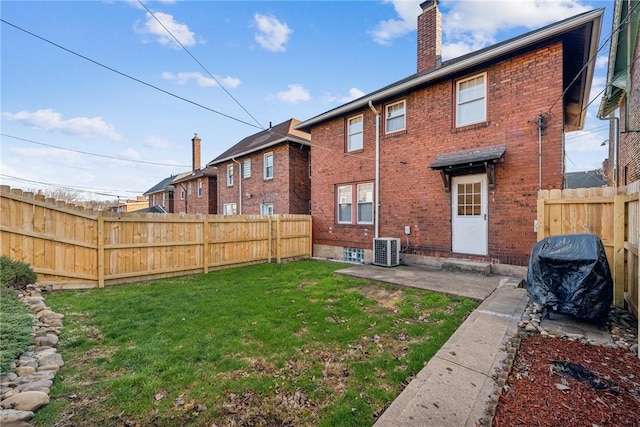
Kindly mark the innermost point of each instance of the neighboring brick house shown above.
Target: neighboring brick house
(464, 147)
(266, 173)
(623, 92)
(161, 195)
(196, 191)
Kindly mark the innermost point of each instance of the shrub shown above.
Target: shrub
(15, 327)
(16, 274)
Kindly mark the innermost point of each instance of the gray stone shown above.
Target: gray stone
(52, 359)
(8, 378)
(26, 401)
(47, 340)
(12, 416)
(34, 385)
(25, 370)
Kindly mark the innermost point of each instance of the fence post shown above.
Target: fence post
(100, 251)
(278, 231)
(540, 218)
(270, 237)
(205, 244)
(618, 250)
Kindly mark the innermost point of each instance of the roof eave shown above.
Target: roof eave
(293, 139)
(472, 61)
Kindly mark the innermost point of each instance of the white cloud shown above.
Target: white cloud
(272, 34)
(50, 120)
(407, 11)
(476, 23)
(354, 93)
(602, 61)
(157, 29)
(157, 142)
(130, 154)
(202, 81)
(296, 93)
(48, 154)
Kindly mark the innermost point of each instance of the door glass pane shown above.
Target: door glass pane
(470, 199)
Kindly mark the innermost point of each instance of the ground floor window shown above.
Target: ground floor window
(229, 209)
(355, 255)
(358, 198)
(266, 209)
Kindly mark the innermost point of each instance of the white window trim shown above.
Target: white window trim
(227, 206)
(199, 186)
(386, 116)
(457, 104)
(264, 165)
(357, 187)
(338, 204)
(354, 204)
(230, 175)
(349, 134)
(181, 192)
(268, 207)
(188, 189)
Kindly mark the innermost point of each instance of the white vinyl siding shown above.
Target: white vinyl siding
(395, 117)
(471, 100)
(354, 134)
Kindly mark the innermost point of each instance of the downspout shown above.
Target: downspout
(614, 138)
(233, 159)
(377, 180)
(540, 124)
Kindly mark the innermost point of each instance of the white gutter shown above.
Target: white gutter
(482, 57)
(377, 181)
(239, 185)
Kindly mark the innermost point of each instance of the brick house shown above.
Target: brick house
(197, 191)
(161, 196)
(455, 154)
(266, 173)
(623, 92)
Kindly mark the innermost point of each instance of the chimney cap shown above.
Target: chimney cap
(427, 4)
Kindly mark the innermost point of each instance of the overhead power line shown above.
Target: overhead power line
(93, 154)
(127, 75)
(200, 64)
(73, 187)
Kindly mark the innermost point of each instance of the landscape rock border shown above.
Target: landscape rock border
(26, 388)
(620, 324)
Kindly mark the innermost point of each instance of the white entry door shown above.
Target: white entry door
(469, 231)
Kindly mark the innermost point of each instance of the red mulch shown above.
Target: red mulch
(533, 395)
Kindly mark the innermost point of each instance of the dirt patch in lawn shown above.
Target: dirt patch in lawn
(559, 382)
(386, 298)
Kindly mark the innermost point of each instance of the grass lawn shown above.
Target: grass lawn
(263, 345)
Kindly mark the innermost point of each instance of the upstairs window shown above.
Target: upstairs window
(354, 134)
(395, 114)
(471, 100)
(199, 188)
(268, 166)
(181, 192)
(188, 189)
(246, 168)
(229, 175)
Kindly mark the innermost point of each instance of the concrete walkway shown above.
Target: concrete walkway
(454, 388)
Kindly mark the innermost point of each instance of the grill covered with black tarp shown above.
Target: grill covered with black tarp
(570, 274)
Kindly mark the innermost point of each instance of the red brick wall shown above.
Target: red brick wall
(413, 194)
(192, 204)
(629, 161)
(288, 191)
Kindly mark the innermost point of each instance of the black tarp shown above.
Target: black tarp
(570, 274)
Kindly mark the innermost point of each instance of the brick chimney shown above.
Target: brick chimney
(195, 152)
(429, 36)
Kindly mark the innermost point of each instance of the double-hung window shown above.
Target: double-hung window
(395, 116)
(268, 166)
(188, 189)
(182, 192)
(358, 210)
(471, 100)
(354, 133)
(365, 203)
(266, 209)
(345, 202)
(199, 188)
(246, 168)
(229, 209)
(229, 175)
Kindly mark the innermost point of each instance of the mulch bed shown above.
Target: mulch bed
(559, 382)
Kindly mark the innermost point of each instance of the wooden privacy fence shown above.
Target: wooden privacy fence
(614, 216)
(71, 247)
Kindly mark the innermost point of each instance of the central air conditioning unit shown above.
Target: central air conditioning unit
(386, 251)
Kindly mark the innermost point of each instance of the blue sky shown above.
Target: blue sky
(270, 61)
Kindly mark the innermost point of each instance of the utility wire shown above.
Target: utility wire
(72, 187)
(200, 64)
(127, 75)
(93, 154)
